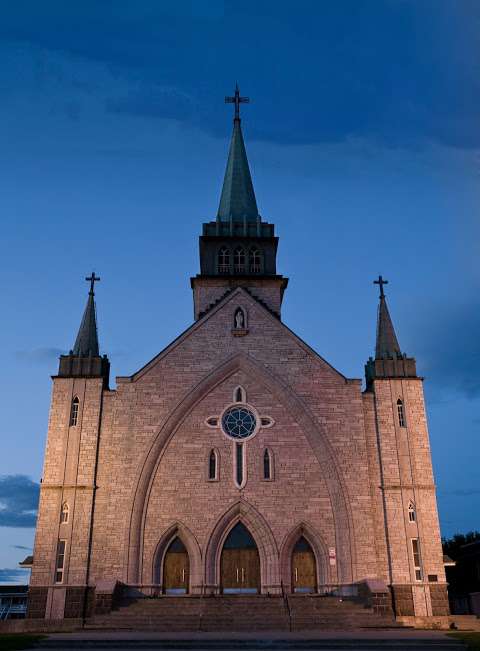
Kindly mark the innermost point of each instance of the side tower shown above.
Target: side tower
(409, 550)
(59, 581)
(238, 248)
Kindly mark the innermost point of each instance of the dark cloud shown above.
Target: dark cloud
(18, 501)
(448, 347)
(400, 72)
(39, 355)
(27, 549)
(8, 575)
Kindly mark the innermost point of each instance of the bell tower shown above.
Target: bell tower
(238, 248)
(406, 499)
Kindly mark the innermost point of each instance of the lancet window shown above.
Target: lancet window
(74, 412)
(239, 260)
(255, 261)
(224, 260)
(401, 414)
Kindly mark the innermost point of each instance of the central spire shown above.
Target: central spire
(237, 202)
(387, 342)
(87, 338)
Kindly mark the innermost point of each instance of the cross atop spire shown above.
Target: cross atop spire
(237, 100)
(381, 282)
(92, 280)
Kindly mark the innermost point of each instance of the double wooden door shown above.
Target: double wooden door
(240, 571)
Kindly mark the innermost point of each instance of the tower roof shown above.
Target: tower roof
(237, 201)
(86, 343)
(387, 342)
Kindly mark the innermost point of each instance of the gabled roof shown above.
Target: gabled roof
(237, 201)
(201, 321)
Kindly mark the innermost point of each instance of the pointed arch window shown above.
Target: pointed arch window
(239, 463)
(74, 412)
(401, 413)
(255, 261)
(412, 516)
(239, 260)
(239, 395)
(213, 465)
(64, 513)
(224, 261)
(267, 465)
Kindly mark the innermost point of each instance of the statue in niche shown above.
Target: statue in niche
(239, 320)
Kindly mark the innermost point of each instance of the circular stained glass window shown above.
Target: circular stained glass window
(239, 422)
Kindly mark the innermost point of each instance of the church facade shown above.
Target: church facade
(238, 460)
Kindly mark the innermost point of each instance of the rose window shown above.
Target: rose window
(239, 422)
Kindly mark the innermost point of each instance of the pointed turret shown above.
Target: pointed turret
(387, 342)
(237, 201)
(84, 359)
(389, 360)
(86, 342)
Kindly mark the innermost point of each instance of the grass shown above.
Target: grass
(472, 640)
(18, 641)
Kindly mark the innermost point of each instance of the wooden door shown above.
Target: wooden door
(304, 568)
(240, 563)
(176, 569)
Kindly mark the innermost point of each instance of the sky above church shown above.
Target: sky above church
(363, 139)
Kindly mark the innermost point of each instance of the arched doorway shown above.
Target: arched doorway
(240, 562)
(176, 568)
(304, 567)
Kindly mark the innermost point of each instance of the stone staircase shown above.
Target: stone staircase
(240, 613)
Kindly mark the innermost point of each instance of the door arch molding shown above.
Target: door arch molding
(178, 530)
(256, 524)
(320, 551)
(312, 430)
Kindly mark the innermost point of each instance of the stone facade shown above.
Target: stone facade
(131, 467)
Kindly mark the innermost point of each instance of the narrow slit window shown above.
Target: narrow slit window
(224, 260)
(401, 413)
(412, 516)
(74, 412)
(60, 563)
(417, 561)
(239, 395)
(267, 465)
(213, 465)
(64, 513)
(239, 464)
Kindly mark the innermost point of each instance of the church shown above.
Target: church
(237, 462)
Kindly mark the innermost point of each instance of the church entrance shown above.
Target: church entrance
(240, 563)
(176, 568)
(304, 568)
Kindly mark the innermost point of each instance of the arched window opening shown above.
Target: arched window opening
(176, 568)
(401, 413)
(412, 516)
(267, 465)
(74, 412)
(239, 260)
(239, 395)
(64, 513)
(240, 562)
(239, 464)
(239, 321)
(255, 261)
(213, 465)
(304, 567)
(224, 260)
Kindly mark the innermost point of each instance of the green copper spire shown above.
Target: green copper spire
(237, 202)
(387, 342)
(86, 343)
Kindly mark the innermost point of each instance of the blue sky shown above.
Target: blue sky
(363, 138)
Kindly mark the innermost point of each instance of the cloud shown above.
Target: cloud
(449, 348)
(19, 499)
(39, 355)
(27, 549)
(8, 575)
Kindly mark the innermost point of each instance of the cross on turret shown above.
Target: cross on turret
(381, 282)
(237, 100)
(92, 280)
